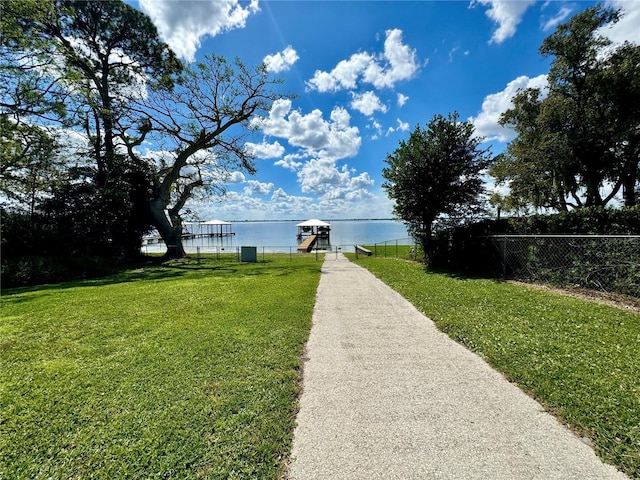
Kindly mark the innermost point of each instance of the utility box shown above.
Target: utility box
(248, 254)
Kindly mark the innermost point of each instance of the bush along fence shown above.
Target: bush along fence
(594, 248)
(608, 263)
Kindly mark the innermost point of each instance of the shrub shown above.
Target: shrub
(469, 249)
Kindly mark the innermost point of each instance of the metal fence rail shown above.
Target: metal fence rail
(608, 263)
(398, 248)
(231, 253)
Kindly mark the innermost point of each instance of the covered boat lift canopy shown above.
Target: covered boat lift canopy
(210, 228)
(312, 233)
(217, 228)
(314, 226)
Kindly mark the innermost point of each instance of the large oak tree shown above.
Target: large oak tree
(204, 121)
(579, 145)
(100, 69)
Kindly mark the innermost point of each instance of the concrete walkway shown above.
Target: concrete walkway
(387, 396)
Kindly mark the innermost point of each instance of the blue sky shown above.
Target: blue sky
(364, 73)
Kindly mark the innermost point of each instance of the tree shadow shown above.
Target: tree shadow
(159, 269)
(458, 274)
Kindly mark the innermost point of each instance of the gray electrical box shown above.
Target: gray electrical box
(248, 254)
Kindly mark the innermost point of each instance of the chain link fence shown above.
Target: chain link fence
(406, 248)
(609, 263)
(260, 253)
(397, 248)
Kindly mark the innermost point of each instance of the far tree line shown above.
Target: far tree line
(85, 85)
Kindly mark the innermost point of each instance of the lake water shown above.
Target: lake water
(281, 235)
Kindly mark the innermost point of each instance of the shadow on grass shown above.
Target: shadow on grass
(158, 269)
(130, 274)
(448, 271)
(461, 275)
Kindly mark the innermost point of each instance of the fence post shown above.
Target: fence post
(504, 257)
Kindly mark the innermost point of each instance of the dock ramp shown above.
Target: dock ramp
(308, 244)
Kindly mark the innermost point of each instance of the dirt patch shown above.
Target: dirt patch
(624, 302)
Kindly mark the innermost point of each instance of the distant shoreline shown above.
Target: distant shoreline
(327, 220)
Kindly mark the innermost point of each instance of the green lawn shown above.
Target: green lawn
(578, 358)
(190, 370)
(181, 371)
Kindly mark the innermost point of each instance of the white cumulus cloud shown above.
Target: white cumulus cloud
(402, 126)
(281, 61)
(264, 150)
(290, 162)
(235, 177)
(367, 103)
(628, 27)
(255, 187)
(560, 17)
(321, 174)
(486, 123)
(183, 24)
(360, 182)
(321, 143)
(507, 14)
(344, 75)
(397, 62)
(311, 131)
(281, 203)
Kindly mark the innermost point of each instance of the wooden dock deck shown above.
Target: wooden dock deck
(151, 239)
(307, 245)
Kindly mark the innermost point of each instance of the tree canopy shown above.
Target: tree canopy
(578, 145)
(205, 120)
(99, 70)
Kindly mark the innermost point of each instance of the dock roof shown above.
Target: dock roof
(314, 222)
(216, 222)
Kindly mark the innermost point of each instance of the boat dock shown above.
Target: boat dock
(313, 233)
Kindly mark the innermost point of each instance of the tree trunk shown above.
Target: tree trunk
(629, 191)
(426, 242)
(630, 172)
(592, 194)
(171, 234)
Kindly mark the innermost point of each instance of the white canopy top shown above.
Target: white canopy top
(314, 223)
(216, 222)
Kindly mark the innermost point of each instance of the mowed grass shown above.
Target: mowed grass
(187, 370)
(580, 359)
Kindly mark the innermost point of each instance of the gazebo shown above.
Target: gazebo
(217, 228)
